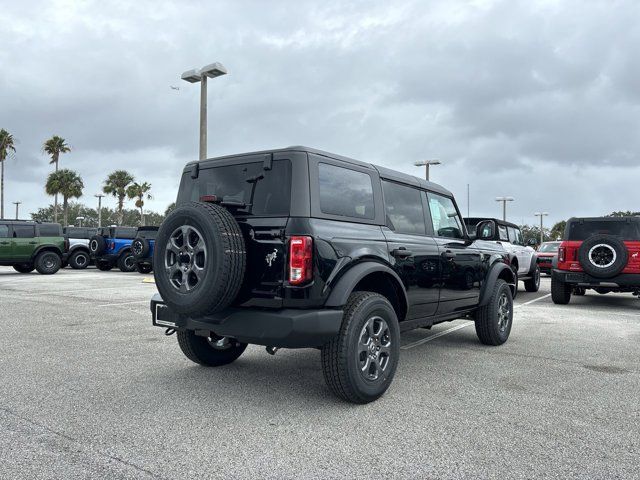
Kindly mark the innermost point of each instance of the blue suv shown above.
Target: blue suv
(111, 247)
(142, 248)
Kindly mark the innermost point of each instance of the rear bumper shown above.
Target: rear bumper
(584, 280)
(288, 328)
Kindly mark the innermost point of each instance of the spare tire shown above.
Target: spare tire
(97, 245)
(199, 259)
(140, 247)
(603, 256)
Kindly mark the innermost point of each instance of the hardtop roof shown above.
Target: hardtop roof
(497, 220)
(633, 218)
(384, 172)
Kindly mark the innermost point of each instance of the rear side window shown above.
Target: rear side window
(345, 192)
(4, 231)
(128, 233)
(514, 235)
(403, 206)
(24, 231)
(502, 233)
(257, 191)
(50, 230)
(622, 229)
(445, 218)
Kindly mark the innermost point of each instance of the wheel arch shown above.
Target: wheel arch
(499, 271)
(371, 277)
(46, 248)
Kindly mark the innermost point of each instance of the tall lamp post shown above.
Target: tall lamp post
(99, 197)
(504, 201)
(541, 215)
(79, 220)
(17, 204)
(212, 70)
(426, 164)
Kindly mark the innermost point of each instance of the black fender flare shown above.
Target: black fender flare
(50, 248)
(347, 282)
(492, 277)
(533, 264)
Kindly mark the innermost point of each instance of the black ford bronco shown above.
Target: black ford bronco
(302, 248)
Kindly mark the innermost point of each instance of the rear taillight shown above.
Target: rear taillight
(67, 244)
(112, 245)
(300, 260)
(562, 252)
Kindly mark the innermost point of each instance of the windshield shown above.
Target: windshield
(622, 229)
(549, 247)
(255, 190)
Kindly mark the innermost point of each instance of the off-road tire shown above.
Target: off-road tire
(340, 364)
(514, 294)
(127, 263)
(79, 260)
(201, 351)
(24, 267)
(144, 268)
(140, 247)
(617, 245)
(48, 263)
(225, 263)
(487, 318)
(533, 284)
(560, 292)
(97, 244)
(104, 266)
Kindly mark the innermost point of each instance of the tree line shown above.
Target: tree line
(69, 185)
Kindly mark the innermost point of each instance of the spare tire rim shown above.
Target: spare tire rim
(602, 255)
(185, 258)
(504, 310)
(93, 246)
(137, 248)
(374, 348)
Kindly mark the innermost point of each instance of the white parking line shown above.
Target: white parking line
(458, 327)
(124, 303)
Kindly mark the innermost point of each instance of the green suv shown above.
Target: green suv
(26, 245)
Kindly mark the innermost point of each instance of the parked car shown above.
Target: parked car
(27, 245)
(523, 258)
(599, 253)
(111, 246)
(547, 253)
(79, 255)
(142, 248)
(302, 248)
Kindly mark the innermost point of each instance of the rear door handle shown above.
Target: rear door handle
(448, 255)
(401, 252)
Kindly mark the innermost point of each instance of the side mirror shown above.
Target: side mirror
(532, 242)
(485, 230)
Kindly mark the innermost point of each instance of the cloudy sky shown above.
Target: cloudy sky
(536, 100)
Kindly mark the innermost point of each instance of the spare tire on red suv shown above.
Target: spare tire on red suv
(603, 256)
(199, 259)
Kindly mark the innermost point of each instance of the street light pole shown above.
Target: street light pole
(17, 204)
(541, 215)
(99, 197)
(426, 164)
(212, 70)
(504, 201)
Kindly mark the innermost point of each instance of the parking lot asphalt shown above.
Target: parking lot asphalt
(89, 389)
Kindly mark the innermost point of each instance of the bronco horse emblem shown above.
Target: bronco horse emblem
(272, 256)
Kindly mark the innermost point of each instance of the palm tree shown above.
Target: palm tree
(116, 184)
(54, 147)
(6, 145)
(139, 191)
(66, 183)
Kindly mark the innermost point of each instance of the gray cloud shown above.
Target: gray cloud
(539, 100)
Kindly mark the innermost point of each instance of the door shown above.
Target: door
(413, 254)
(524, 257)
(5, 243)
(460, 262)
(23, 241)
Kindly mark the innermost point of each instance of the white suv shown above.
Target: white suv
(524, 259)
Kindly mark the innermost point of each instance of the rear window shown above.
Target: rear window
(621, 229)
(262, 192)
(345, 192)
(54, 230)
(127, 233)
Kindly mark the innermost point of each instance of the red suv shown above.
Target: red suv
(600, 253)
(547, 253)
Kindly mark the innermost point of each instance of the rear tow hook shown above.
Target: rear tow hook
(272, 350)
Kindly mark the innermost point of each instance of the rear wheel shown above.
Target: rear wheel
(104, 266)
(48, 263)
(560, 292)
(24, 267)
(533, 284)
(144, 267)
(79, 260)
(360, 363)
(127, 262)
(493, 321)
(210, 351)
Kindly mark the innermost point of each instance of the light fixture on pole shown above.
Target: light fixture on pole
(17, 204)
(541, 215)
(426, 164)
(79, 219)
(212, 70)
(504, 201)
(99, 197)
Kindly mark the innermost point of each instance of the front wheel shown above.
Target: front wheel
(104, 266)
(48, 263)
(360, 363)
(24, 267)
(560, 292)
(493, 321)
(79, 260)
(210, 351)
(533, 284)
(127, 262)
